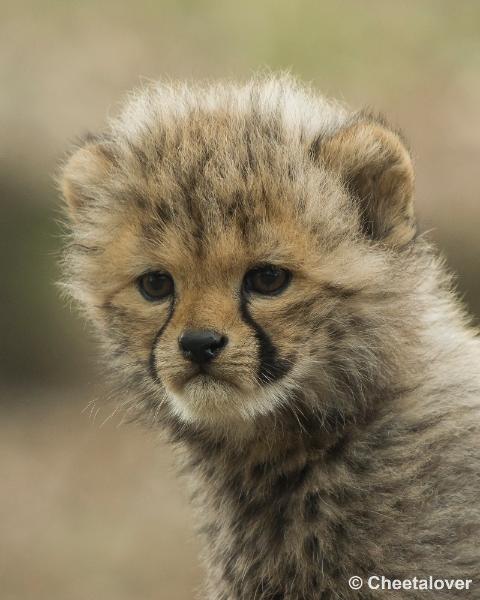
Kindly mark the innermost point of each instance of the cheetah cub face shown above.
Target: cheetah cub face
(232, 246)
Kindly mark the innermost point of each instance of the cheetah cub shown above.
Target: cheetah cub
(249, 256)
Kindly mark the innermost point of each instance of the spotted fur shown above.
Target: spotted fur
(338, 432)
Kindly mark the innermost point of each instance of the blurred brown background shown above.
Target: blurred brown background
(91, 510)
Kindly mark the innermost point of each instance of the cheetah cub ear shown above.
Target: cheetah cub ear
(82, 175)
(377, 169)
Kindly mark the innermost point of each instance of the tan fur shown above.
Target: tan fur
(377, 167)
(337, 432)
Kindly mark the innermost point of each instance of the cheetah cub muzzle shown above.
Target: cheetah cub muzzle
(250, 259)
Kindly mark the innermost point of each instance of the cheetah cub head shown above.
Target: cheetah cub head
(239, 249)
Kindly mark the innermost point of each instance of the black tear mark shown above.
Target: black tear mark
(151, 362)
(271, 367)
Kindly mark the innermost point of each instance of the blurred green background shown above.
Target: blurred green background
(93, 512)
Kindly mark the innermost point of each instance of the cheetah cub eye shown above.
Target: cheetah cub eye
(155, 285)
(267, 280)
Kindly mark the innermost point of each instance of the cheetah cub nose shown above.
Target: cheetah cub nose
(201, 345)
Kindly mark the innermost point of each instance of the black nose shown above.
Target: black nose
(201, 345)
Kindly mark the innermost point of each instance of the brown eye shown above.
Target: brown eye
(267, 280)
(155, 285)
